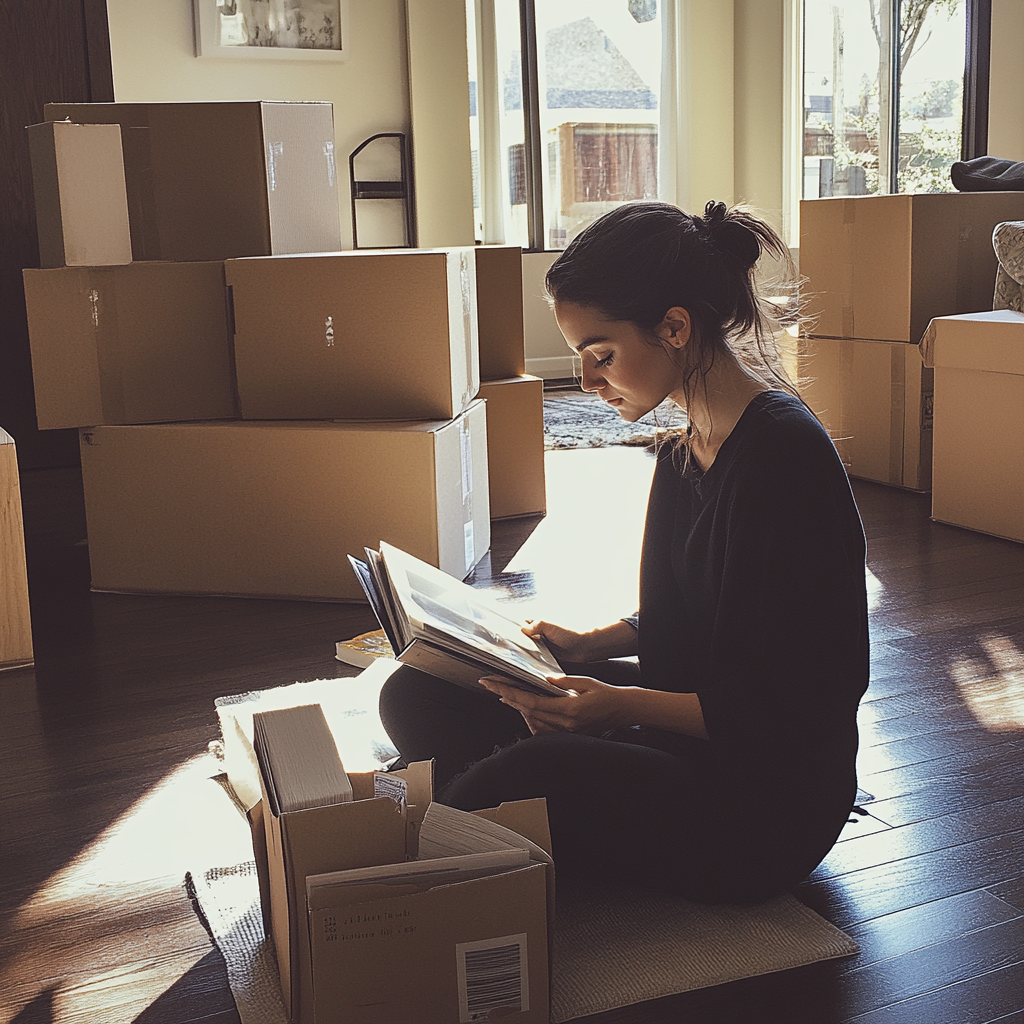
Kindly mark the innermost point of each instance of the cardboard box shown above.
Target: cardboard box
(15, 616)
(881, 267)
(356, 335)
(397, 954)
(978, 473)
(499, 297)
(207, 181)
(142, 343)
(272, 509)
(875, 400)
(80, 197)
(292, 845)
(515, 445)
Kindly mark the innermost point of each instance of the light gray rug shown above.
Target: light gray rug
(576, 419)
(611, 949)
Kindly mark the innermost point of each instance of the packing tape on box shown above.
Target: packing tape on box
(467, 282)
(101, 295)
(466, 453)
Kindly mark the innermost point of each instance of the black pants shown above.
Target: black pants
(631, 804)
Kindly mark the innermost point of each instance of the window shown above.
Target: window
(572, 128)
(883, 95)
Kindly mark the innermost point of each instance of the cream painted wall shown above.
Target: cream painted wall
(1006, 89)
(547, 355)
(758, 106)
(439, 99)
(151, 47)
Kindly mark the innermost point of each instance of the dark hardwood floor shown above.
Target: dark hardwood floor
(101, 742)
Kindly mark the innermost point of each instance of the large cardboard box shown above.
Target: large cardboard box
(292, 845)
(272, 509)
(207, 181)
(875, 400)
(80, 197)
(881, 267)
(499, 296)
(15, 616)
(391, 953)
(142, 343)
(515, 445)
(356, 335)
(978, 473)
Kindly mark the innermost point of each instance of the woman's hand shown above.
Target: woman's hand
(589, 706)
(615, 641)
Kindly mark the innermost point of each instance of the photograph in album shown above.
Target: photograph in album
(445, 628)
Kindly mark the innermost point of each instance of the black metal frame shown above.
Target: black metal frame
(402, 189)
(534, 162)
(974, 141)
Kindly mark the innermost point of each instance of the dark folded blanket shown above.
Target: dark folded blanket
(988, 174)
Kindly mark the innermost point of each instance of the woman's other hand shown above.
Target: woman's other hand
(589, 706)
(615, 641)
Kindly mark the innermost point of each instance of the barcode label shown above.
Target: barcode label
(492, 976)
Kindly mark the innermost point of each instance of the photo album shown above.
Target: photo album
(447, 629)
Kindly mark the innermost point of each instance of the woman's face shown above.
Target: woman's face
(630, 369)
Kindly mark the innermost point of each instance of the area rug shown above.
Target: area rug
(612, 948)
(577, 419)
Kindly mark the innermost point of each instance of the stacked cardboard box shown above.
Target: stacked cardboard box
(515, 400)
(353, 373)
(978, 476)
(877, 269)
(254, 406)
(15, 616)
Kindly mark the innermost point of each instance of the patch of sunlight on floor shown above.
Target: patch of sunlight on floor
(993, 687)
(599, 497)
(875, 590)
(91, 933)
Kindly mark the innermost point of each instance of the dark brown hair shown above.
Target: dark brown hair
(641, 259)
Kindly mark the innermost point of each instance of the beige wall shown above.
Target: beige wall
(439, 99)
(1006, 90)
(758, 106)
(152, 56)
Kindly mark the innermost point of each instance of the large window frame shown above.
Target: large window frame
(974, 132)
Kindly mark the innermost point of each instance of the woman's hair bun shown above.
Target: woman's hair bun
(726, 232)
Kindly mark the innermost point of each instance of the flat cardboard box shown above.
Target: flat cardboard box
(142, 343)
(292, 845)
(499, 297)
(881, 267)
(399, 955)
(208, 181)
(978, 472)
(356, 335)
(80, 196)
(15, 616)
(875, 400)
(272, 509)
(515, 445)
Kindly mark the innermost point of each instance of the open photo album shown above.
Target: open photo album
(445, 628)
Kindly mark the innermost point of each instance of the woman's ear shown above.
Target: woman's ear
(675, 328)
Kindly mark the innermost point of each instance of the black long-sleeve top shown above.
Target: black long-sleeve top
(752, 596)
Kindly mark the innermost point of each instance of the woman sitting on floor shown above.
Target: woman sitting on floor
(722, 767)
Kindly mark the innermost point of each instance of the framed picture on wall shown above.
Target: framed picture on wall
(272, 29)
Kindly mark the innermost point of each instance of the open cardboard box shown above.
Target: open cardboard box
(398, 953)
(978, 472)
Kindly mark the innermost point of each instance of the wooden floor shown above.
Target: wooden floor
(103, 746)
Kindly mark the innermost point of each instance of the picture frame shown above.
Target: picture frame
(310, 30)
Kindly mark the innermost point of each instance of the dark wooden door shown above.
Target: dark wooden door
(50, 51)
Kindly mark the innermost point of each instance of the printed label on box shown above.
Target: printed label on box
(492, 975)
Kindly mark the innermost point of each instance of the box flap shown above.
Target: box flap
(992, 341)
